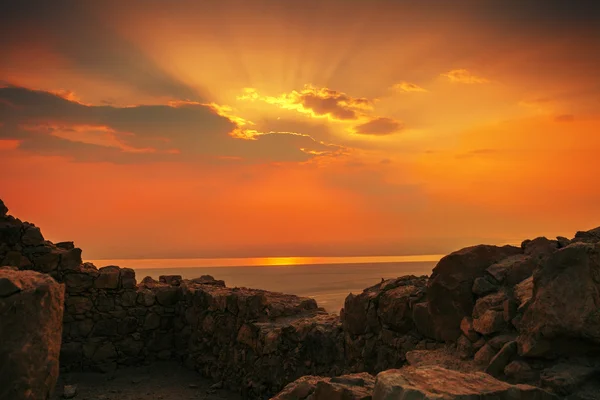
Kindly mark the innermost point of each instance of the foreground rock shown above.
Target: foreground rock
(449, 289)
(564, 315)
(31, 310)
(346, 387)
(435, 383)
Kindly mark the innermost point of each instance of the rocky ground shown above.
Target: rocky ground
(159, 381)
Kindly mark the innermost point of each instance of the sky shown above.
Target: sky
(271, 128)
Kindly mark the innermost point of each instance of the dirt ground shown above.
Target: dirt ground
(160, 381)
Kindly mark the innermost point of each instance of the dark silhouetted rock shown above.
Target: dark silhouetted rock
(567, 378)
(514, 269)
(466, 327)
(502, 359)
(449, 290)
(484, 285)
(30, 334)
(108, 277)
(519, 371)
(3, 209)
(563, 316)
(173, 280)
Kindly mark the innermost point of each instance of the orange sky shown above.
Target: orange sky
(299, 128)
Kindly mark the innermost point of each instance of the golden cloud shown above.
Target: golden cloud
(316, 102)
(463, 76)
(408, 87)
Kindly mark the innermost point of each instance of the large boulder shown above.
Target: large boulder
(31, 312)
(563, 317)
(347, 387)
(3, 209)
(449, 290)
(435, 383)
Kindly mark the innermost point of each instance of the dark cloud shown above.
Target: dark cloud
(49, 124)
(379, 126)
(74, 30)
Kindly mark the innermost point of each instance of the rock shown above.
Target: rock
(69, 391)
(108, 277)
(514, 269)
(541, 247)
(167, 295)
(563, 241)
(591, 236)
(483, 285)
(501, 359)
(523, 293)
(65, 245)
(449, 290)
(128, 278)
(209, 280)
(437, 383)
(466, 327)
(490, 322)
(497, 342)
(566, 378)
(485, 354)
(423, 320)
(8, 286)
(519, 372)
(494, 302)
(32, 236)
(346, 387)
(464, 348)
(30, 335)
(3, 209)
(173, 280)
(563, 317)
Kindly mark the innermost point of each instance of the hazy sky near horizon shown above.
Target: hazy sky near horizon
(299, 128)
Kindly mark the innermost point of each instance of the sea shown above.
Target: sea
(326, 279)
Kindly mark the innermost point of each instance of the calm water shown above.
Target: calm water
(328, 283)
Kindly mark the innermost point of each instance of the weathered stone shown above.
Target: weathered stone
(3, 209)
(105, 303)
(494, 302)
(30, 335)
(514, 269)
(346, 387)
(71, 259)
(501, 359)
(541, 247)
(484, 285)
(443, 384)
(563, 317)
(108, 277)
(563, 241)
(464, 347)
(128, 278)
(32, 235)
(423, 320)
(65, 245)
(566, 378)
(152, 321)
(146, 297)
(78, 304)
(208, 280)
(485, 354)
(523, 293)
(167, 295)
(9, 286)
(466, 327)
(449, 290)
(490, 322)
(173, 280)
(106, 327)
(105, 352)
(497, 342)
(80, 280)
(519, 371)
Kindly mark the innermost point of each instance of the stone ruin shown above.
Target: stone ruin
(526, 315)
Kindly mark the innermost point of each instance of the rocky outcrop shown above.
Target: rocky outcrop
(31, 310)
(563, 317)
(450, 288)
(379, 326)
(254, 340)
(346, 387)
(442, 384)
